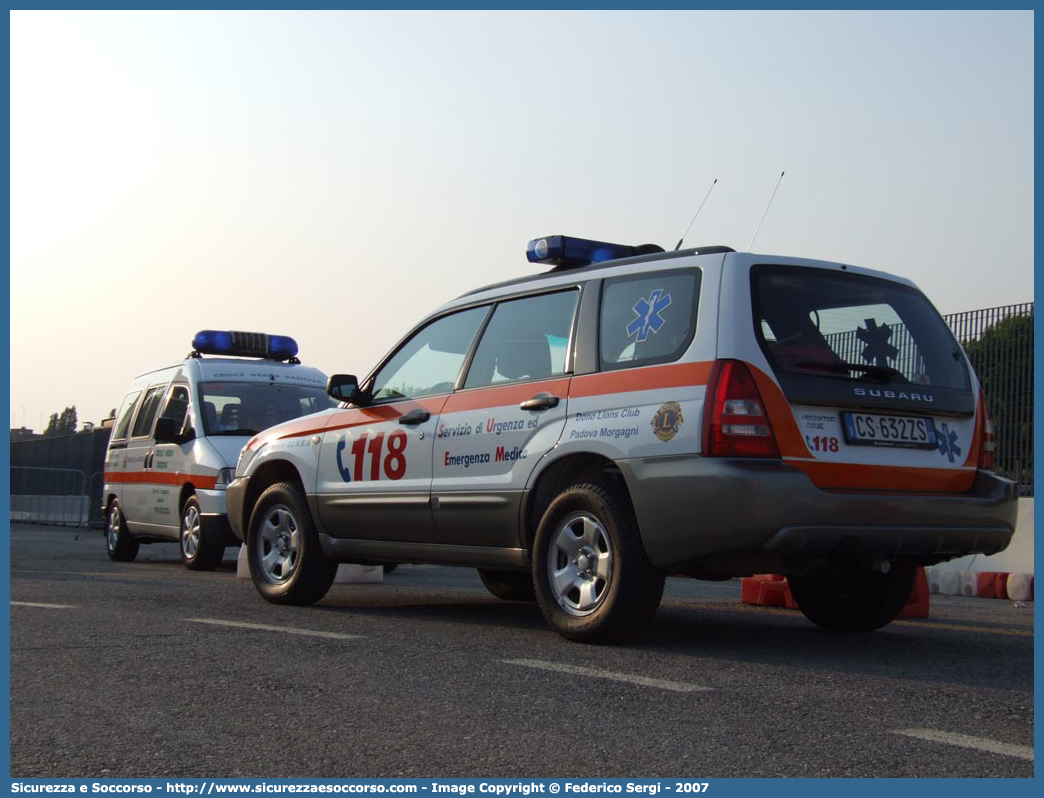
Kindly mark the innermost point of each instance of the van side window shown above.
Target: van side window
(123, 418)
(143, 423)
(647, 318)
(527, 339)
(177, 407)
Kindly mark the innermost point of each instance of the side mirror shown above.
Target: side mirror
(343, 387)
(166, 432)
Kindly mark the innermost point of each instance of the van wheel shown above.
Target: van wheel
(853, 600)
(508, 585)
(286, 561)
(119, 542)
(197, 552)
(594, 582)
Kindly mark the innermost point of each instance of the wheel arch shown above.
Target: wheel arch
(559, 474)
(267, 474)
(188, 489)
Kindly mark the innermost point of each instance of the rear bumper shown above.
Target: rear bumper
(739, 515)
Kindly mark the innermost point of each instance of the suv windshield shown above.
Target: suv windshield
(246, 408)
(816, 322)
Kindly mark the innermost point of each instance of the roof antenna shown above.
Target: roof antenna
(766, 211)
(687, 229)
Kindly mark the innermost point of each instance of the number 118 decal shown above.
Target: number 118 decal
(393, 462)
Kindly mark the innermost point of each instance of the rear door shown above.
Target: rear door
(866, 386)
(116, 456)
(509, 412)
(140, 454)
(171, 462)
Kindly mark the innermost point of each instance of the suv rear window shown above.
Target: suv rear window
(816, 322)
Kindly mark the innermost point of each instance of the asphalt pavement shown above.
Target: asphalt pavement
(146, 669)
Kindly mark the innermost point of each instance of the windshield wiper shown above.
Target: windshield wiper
(882, 373)
(240, 431)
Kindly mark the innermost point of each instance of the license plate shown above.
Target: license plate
(906, 432)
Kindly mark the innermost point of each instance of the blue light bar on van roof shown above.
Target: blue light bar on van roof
(244, 344)
(571, 252)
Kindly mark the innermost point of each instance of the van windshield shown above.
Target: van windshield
(816, 322)
(246, 408)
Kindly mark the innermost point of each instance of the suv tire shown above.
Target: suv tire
(197, 553)
(287, 563)
(508, 585)
(594, 582)
(120, 544)
(853, 600)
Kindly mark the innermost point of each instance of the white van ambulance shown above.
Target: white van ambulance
(179, 431)
(579, 434)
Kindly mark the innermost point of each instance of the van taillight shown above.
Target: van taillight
(735, 423)
(987, 446)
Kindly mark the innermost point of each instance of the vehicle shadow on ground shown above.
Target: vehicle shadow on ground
(780, 638)
(735, 633)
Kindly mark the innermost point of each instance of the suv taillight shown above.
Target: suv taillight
(987, 446)
(735, 423)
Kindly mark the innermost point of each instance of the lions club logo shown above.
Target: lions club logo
(667, 420)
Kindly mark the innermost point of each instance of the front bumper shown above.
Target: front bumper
(216, 529)
(746, 514)
(235, 496)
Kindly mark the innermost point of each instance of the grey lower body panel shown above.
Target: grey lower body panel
(738, 515)
(345, 550)
(153, 533)
(235, 495)
(376, 516)
(488, 518)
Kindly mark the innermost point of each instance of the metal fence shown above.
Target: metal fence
(848, 346)
(58, 480)
(49, 495)
(999, 343)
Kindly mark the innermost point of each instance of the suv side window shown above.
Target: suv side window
(143, 423)
(429, 363)
(177, 407)
(526, 339)
(123, 419)
(647, 318)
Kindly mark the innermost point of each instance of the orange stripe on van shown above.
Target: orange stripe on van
(202, 481)
(675, 375)
(854, 476)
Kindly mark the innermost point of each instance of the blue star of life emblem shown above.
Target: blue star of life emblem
(878, 351)
(648, 316)
(948, 443)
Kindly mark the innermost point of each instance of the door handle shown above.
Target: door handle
(416, 416)
(542, 401)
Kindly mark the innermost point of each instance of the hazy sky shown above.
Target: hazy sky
(336, 175)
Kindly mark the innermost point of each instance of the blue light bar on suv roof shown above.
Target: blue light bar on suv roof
(571, 252)
(244, 344)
